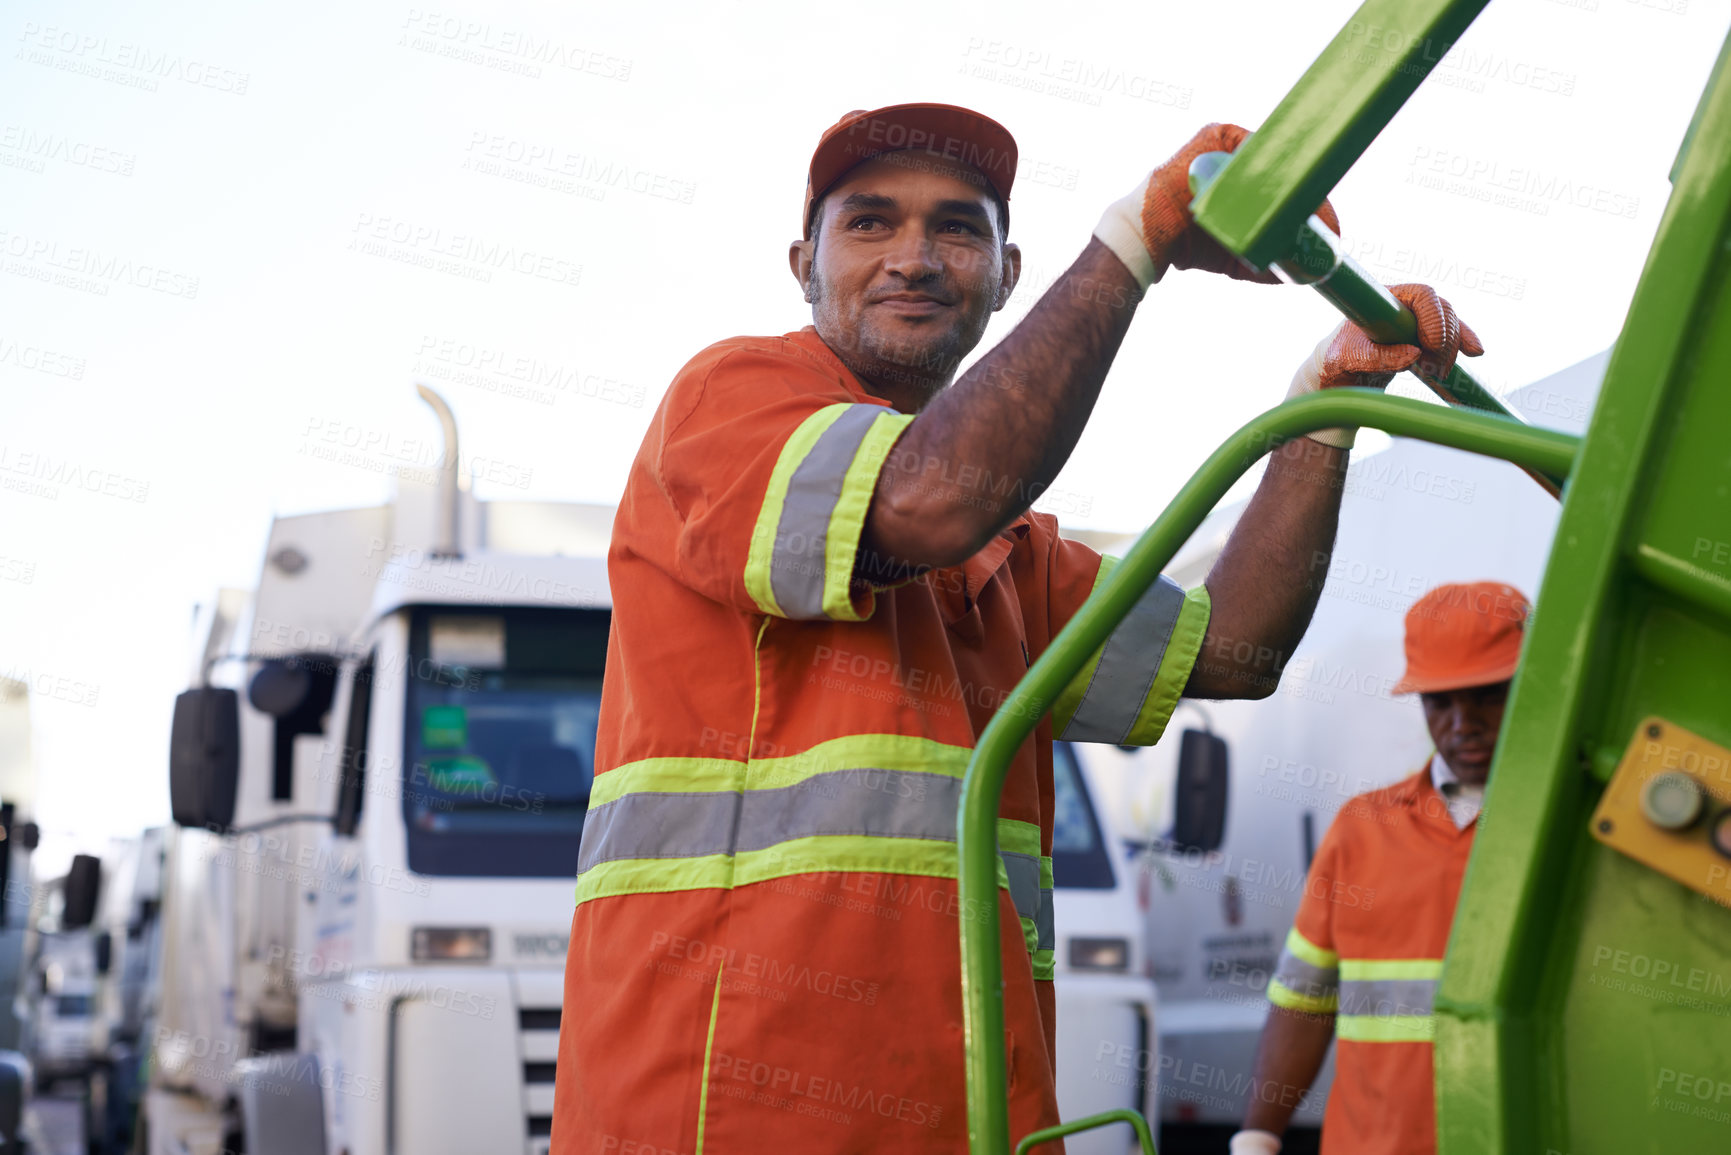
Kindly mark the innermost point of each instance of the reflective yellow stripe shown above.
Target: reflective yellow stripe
(1309, 951)
(666, 776)
(859, 751)
(708, 1051)
(1282, 995)
(854, 853)
(1018, 837)
(655, 875)
(846, 524)
(1175, 667)
(824, 854)
(762, 551)
(1045, 966)
(1385, 1028)
(1364, 970)
(702, 775)
(757, 681)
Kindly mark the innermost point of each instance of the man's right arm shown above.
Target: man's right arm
(977, 456)
(1303, 998)
(1293, 1046)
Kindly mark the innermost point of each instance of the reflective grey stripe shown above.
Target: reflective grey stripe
(658, 826)
(1024, 871)
(879, 803)
(796, 568)
(1033, 901)
(1128, 665)
(1387, 996)
(1302, 978)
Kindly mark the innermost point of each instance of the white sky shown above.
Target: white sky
(274, 138)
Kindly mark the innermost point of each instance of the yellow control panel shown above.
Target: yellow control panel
(1668, 807)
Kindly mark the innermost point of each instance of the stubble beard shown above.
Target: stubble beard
(919, 365)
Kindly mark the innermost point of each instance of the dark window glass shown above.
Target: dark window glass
(1079, 857)
(499, 739)
(351, 791)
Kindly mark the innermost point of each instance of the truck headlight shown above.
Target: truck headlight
(1100, 954)
(450, 943)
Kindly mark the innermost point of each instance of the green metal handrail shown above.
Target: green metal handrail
(1137, 1123)
(982, 787)
(1315, 258)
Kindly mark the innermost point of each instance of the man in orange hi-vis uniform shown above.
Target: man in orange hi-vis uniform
(1364, 972)
(825, 579)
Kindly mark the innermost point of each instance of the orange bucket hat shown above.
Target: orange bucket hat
(1463, 634)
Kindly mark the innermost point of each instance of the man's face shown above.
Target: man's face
(1464, 724)
(906, 266)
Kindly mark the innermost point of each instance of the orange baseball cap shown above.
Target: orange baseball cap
(1463, 634)
(943, 132)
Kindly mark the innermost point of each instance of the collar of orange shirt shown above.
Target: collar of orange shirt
(1464, 802)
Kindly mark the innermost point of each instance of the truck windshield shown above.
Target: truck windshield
(499, 739)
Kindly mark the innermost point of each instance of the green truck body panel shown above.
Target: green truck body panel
(1585, 1004)
(1553, 1031)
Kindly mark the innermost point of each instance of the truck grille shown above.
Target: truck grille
(538, 1027)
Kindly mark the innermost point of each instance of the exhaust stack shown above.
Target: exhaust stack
(445, 534)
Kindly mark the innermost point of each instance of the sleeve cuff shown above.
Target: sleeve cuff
(803, 546)
(1175, 667)
(1307, 977)
(1283, 996)
(1128, 690)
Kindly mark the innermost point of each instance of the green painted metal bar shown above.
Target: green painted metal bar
(1324, 124)
(1137, 1123)
(1315, 258)
(1544, 1039)
(1690, 582)
(982, 786)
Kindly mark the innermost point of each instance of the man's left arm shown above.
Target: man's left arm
(1265, 584)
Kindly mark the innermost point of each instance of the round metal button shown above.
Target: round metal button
(1672, 800)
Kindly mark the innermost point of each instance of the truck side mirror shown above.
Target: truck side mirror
(103, 947)
(79, 891)
(296, 692)
(1199, 802)
(204, 758)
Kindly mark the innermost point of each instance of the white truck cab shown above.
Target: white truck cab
(380, 777)
(430, 971)
(1105, 999)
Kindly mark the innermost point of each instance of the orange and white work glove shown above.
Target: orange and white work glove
(1348, 356)
(1151, 230)
(1255, 1143)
